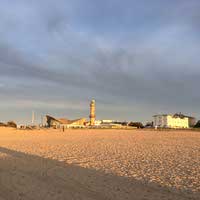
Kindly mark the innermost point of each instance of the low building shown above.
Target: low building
(65, 123)
(110, 126)
(171, 121)
(98, 122)
(107, 121)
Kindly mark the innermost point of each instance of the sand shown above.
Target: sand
(99, 164)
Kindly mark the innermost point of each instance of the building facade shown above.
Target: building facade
(171, 121)
(192, 121)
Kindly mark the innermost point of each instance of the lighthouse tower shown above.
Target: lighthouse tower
(92, 112)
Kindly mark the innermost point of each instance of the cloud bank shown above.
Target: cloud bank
(135, 58)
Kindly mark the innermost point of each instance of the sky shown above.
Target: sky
(135, 58)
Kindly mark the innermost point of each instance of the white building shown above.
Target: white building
(98, 122)
(171, 121)
(107, 121)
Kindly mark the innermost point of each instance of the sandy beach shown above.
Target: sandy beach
(99, 164)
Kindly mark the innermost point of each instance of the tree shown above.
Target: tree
(197, 124)
(136, 124)
(149, 125)
(12, 124)
(2, 124)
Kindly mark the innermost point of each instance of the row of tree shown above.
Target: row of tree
(9, 124)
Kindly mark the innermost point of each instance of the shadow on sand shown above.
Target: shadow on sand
(29, 177)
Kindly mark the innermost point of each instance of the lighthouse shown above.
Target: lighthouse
(92, 112)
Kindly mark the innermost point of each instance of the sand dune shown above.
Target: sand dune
(99, 164)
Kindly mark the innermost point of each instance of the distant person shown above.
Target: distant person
(63, 129)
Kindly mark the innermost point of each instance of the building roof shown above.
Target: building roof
(162, 115)
(64, 120)
(176, 115)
